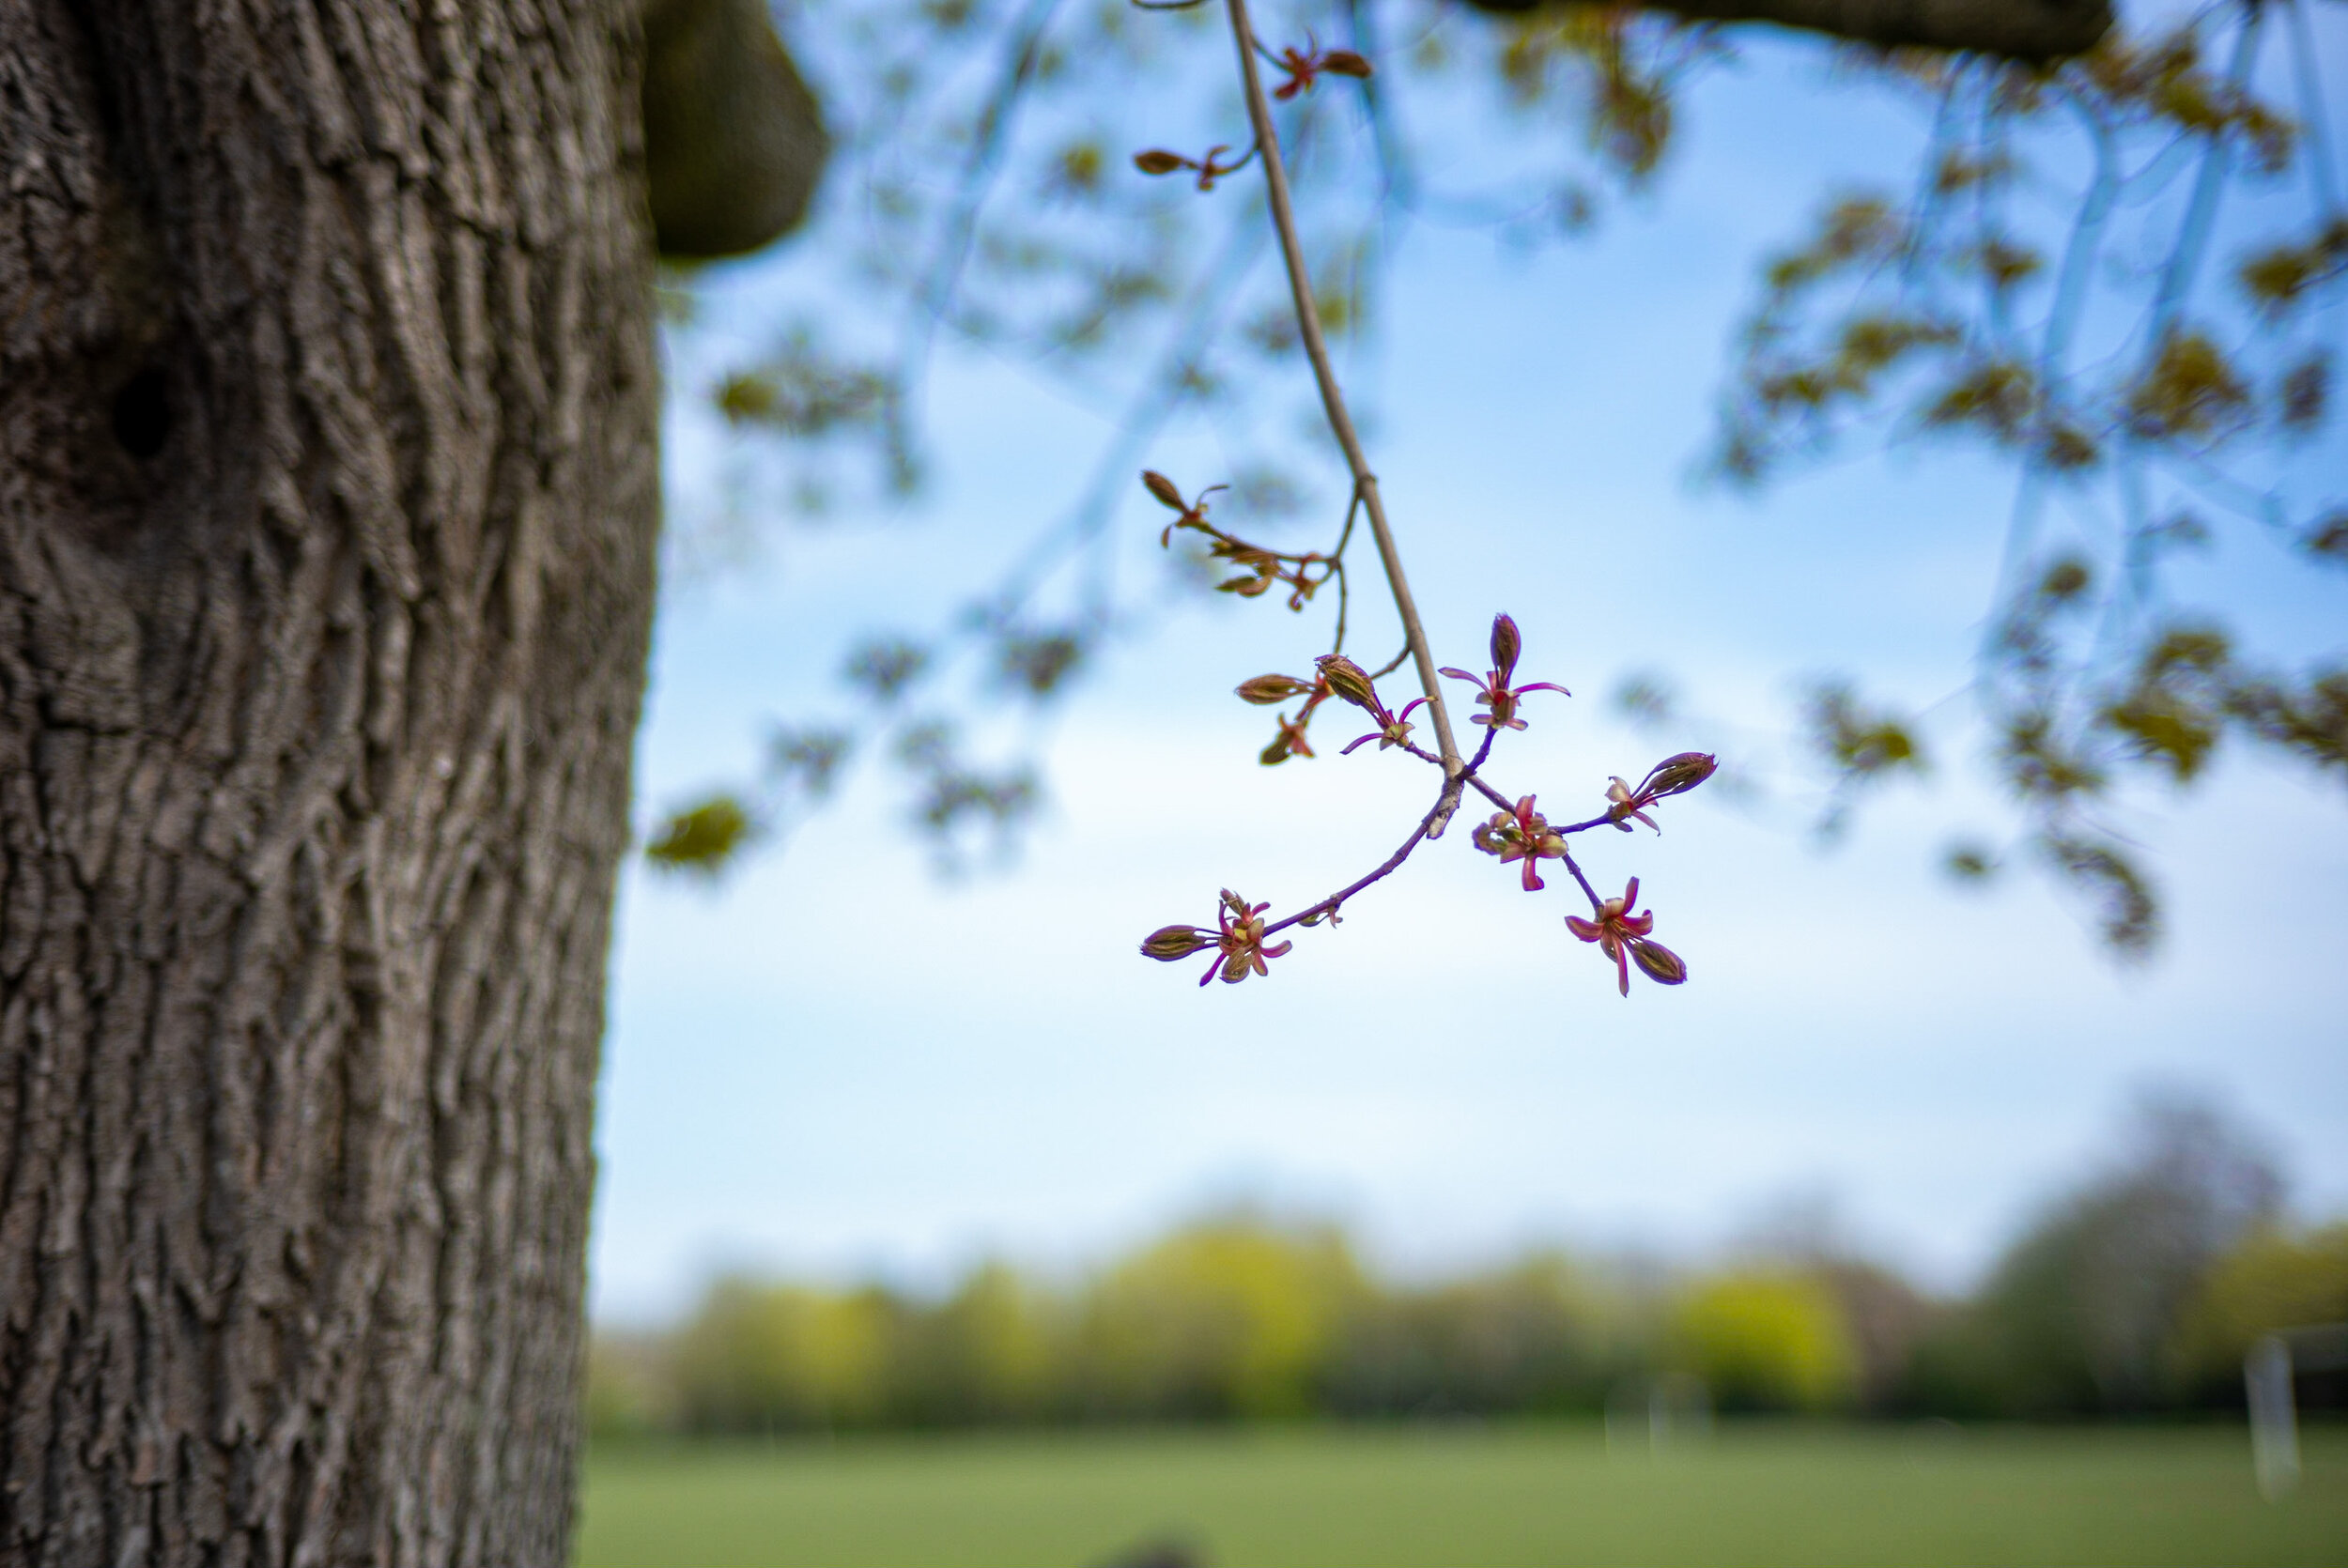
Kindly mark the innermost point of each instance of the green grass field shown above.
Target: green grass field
(1750, 1495)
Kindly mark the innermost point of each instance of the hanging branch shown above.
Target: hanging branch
(1240, 940)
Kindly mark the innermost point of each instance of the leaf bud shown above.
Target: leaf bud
(1169, 943)
(1163, 487)
(1157, 161)
(1265, 690)
(1506, 644)
(1349, 680)
(1659, 962)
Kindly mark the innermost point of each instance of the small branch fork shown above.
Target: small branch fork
(1515, 832)
(1333, 399)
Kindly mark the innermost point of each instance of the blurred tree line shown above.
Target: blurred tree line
(2134, 1293)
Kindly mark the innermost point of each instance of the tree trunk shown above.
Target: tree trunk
(328, 499)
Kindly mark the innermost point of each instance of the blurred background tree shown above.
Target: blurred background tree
(2136, 1292)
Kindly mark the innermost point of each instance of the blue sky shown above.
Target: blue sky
(837, 1062)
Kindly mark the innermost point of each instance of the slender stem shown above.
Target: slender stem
(1587, 891)
(1333, 404)
(1429, 826)
(2202, 209)
(953, 247)
(2318, 134)
(1495, 796)
(1336, 557)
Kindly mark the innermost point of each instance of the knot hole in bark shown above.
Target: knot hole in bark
(141, 417)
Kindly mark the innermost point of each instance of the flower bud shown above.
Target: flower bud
(1157, 161)
(1276, 753)
(1265, 690)
(1506, 644)
(1161, 486)
(1349, 680)
(1659, 962)
(1677, 775)
(1169, 943)
(1344, 62)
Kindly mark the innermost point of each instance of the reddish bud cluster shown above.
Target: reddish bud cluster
(1266, 690)
(1290, 741)
(1157, 161)
(1672, 775)
(1260, 568)
(1517, 833)
(1350, 682)
(1623, 936)
(1237, 939)
(1524, 834)
(1493, 691)
(1303, 65)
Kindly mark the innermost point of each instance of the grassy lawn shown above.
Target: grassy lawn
(1753, 1495)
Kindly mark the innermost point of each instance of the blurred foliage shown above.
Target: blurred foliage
(2273, 1279)
(1541, 1335)
(1767, 1342)
(2118, 274)
(982, 193)
(760, 1356)
(2052, 288)
(1232, 1318)
(701, 838)
(2082, 1314)
(2135, 1292)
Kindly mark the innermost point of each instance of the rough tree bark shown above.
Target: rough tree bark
(327, 517)
(2036, 31)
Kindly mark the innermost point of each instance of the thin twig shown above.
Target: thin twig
(1445, 803)
(987, 139)
(1333, 404)
(1587, 891)
(2317, 132)
(1336, 558)
(2202, 209)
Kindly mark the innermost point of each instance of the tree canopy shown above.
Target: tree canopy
(2113, 266)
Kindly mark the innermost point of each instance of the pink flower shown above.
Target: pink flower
(1521, 835)
(1393, 729)
(1623, 936)
(1493, 690)
(1239, 941)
